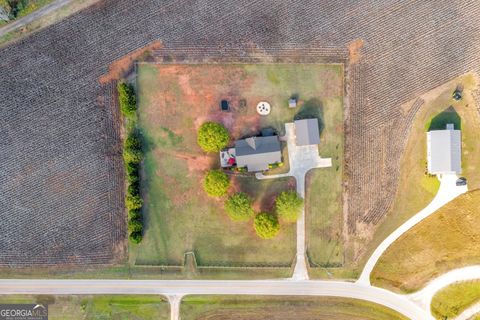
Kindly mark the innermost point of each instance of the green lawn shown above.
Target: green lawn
(288, 307)
(99, 307)
(415, 189)
(174, 100)
(324, 207)
(454, 299)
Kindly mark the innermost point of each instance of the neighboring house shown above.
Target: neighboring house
(307, 132)
(256, 153)
(444, 151)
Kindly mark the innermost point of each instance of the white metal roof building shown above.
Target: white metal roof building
(444, 151)
(307, 132)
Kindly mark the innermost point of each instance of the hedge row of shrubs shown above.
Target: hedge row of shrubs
(132, 156)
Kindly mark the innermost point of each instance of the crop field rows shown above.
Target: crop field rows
(60, 149)
(177, 53)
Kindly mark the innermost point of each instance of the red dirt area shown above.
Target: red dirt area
(123, 66)
(200, 90)
(354, 49)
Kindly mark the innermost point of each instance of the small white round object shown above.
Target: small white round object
(263, 108)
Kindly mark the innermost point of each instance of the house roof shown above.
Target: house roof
(444, 151)
(307, 132)
(256, 153)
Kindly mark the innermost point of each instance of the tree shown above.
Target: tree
(127, 99)
(266, 225)
(239, 207)
(212, 137)
(136, 237)
(289, 205)
(132, 148)
(133, 202)
(135, 226)
(216, 183)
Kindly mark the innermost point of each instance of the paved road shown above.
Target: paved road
(301, 159)
(178, 288)
(446, 193)
(33, 16)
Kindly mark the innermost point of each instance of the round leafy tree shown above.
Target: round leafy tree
(216, 183)
(212, 137)
(289, 205)
(136, 237)
(239, 207)
(266, 225)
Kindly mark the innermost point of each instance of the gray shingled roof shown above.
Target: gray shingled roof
(256, 153)
(307, 132)
(444, 151)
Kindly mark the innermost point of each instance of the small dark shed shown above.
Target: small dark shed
(224, 105)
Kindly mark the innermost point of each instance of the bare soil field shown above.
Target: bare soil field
(174, 100)
(54, 118)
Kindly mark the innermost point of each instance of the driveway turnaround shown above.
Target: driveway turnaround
(302, 159)
(423, 298)
(469, 313)
(447, 192)
(174, 289)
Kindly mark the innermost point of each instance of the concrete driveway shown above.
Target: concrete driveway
(446, 193)
(302, 159)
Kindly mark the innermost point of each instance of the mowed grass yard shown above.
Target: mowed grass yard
(174, 100)
(324, 206)
(451, 301)
(446, 240)
(415, 189)
(98, 307)
(284, 308)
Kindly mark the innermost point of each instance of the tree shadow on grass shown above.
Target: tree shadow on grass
(312, 108)
(440, 121)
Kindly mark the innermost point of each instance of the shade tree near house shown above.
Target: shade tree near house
(216, 183)
(266, 225)
(289, 205)
(212, 137)
(239, 207)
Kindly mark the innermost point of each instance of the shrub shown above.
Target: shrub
(216, 183)
(133, 202)
(212, 137)
(127, 99)
(136, 237)
(239, 207)
(133, 188)
(266, 225)
(132, 148)
(135, 226)
(289, 205)
(134, 214)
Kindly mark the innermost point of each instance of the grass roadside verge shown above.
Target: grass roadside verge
(451, 301)
(45, 21)
(282, 307)
(62, 307)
